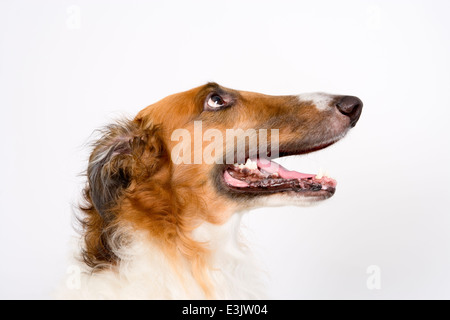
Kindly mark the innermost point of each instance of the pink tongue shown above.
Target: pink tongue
(273, 167)
(234, 182)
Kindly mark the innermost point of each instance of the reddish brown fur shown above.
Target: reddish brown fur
(169, 201)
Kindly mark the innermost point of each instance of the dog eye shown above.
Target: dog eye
(215, 102)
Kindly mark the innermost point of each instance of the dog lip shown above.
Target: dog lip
(319, 195)
(286, 152)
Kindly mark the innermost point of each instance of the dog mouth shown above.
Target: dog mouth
(263, 176)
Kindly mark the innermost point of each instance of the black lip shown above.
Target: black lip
(315, 148)
(266, 191)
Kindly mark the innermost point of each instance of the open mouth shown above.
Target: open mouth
(263, 176)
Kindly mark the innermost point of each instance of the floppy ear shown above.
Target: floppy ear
(124, 152)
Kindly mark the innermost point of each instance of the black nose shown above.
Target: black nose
(351, 107)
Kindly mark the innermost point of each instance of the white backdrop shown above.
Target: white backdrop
(68, 67)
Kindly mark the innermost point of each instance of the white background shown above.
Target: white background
(69, 67)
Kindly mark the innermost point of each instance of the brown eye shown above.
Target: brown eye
(215, 102)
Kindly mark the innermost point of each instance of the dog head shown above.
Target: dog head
(204, 154)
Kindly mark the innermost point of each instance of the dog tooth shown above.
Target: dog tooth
(251, 165)
(320, 174)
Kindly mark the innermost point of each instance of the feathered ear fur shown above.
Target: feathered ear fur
(116, 157)
(127, 152)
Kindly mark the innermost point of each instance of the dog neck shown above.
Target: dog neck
(231, 266)
(220, 237)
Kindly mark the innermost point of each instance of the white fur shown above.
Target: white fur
(285, 199)
(145, 272)
(321, 100)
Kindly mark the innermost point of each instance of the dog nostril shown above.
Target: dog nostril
(351, 107)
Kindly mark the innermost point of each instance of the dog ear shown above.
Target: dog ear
(124, 152)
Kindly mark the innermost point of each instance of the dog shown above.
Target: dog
(161, 221)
